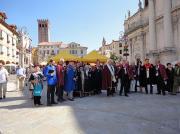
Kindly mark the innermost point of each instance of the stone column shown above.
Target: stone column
(152, 32)
(168, 34)
(152, 26)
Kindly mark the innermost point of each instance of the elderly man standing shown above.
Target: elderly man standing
(60, 80)
(109, 78)
(21, 75)
(3, 80)
(176, 78)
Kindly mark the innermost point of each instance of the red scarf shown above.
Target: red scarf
(147, 66)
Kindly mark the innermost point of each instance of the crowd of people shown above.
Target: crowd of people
(66, 79)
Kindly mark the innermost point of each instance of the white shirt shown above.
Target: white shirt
(157, 68)
(20, 72)
(3, 75)
(147, 73)
(125, 70)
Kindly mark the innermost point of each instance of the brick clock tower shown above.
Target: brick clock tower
(43, 30)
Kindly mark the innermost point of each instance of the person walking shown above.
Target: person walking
(21, 75)
(3, 80)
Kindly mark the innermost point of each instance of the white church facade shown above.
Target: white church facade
(154, 31)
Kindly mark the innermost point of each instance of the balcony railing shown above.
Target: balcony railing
(8, 41)
(136, 25)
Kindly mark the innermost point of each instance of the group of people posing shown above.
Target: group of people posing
(72, 77)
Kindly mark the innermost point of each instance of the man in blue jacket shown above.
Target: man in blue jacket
(51, 82)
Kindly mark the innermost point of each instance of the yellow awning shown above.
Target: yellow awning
(66, 56)
(93, 56)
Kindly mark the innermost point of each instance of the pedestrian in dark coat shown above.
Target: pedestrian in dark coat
(139, 72)
(98, 80)
(170, 75)
(88, 80)
(78, 82)
(176, 78)
(124, 77)
(161, 77)
(149, 76)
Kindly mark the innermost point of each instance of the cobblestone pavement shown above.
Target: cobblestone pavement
(137, 114)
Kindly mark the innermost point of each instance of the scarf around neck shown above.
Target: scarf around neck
(148, 66)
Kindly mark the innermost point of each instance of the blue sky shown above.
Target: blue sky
(82, 21)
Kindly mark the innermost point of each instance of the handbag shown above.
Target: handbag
(31, 87)
(37, 89)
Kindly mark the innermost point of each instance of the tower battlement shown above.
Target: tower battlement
(43, 30)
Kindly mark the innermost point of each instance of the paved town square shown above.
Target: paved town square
(90, 67)
(137, 114)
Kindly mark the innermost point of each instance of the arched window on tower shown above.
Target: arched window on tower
(146, 3)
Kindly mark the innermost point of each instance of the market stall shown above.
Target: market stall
(93, 56)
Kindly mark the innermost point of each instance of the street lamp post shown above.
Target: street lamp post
(124, 38)
(126, 54)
